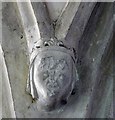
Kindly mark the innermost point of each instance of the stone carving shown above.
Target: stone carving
(52, 75)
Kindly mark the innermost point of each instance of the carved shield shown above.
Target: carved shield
(52, 75)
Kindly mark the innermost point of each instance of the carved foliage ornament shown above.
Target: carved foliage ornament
(52, 75)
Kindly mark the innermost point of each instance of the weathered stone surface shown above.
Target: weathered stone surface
(6, 95)
(95, 55)
(15, 53)
(79, 23)
(94, 67)
(63, 23)
(44, 22)
(52, 76)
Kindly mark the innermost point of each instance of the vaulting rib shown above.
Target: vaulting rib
(6, 92)
(79, 23)
(64, 21)
(29, 23)
(36, 22)
(43, 19)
